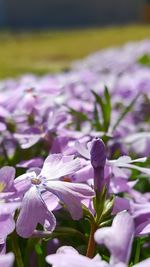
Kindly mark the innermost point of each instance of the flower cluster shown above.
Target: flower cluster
(75, 169)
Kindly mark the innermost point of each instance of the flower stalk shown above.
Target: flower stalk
(91, 242)
(16, 250)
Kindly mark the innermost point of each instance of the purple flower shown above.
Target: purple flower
(34, 162)
(100, 154)
(126, 162)
(98, 161)
(141, 215)
(27, 140)
(7, 175)
(7, 223)
(121, 204)
(8, 204)
(95, 152)
(145, 263)
(6, 260)
(138, 142)
(54, 119)
(34, 210)
(118, 238)
(71, 194)
(70, 257)
(119, 168)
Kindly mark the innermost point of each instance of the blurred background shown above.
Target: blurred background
(46, 35)
(18, 14)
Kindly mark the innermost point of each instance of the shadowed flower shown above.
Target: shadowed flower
(118, 238)
(70, 257)
(7, 175)
(7, 223)
(6, 260)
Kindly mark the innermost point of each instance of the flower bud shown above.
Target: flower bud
(98, 161)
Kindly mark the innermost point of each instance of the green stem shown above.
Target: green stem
(137, 252)
(91, 243)
(16, 250)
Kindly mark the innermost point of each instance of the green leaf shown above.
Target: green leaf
(65, 232)
(105, 106)
(79, 115)
(99, 203)
(137, 251)
(109, 204)
(126, 111)
(144, 60)
(99, 101)
(87, 213)
(38, 249)
(96, 122)
(106, 223)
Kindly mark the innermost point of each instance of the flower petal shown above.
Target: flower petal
(7, 175)
(7, 225)
(118, 238)
(145, 263)
(71, 194)
(70, 257)
(33, 211)
(82, 150)
(57, 165)
(7, 260)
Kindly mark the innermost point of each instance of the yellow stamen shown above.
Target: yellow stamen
(2, 186)
(35, 181)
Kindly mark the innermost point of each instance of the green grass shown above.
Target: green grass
(41, 52)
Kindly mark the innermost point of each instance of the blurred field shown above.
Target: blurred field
(41, 52)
